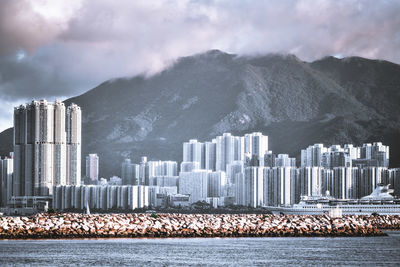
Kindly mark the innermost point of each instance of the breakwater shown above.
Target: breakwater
(76, 225)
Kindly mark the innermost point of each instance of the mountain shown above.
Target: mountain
(6, 142)
(295, 103)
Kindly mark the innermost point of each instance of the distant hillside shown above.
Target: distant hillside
(6, 142)
(351, 100)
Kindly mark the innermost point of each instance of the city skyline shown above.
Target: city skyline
(228, 170)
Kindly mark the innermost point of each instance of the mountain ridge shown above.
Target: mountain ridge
(296, 103)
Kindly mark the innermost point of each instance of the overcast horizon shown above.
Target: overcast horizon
(58, 49)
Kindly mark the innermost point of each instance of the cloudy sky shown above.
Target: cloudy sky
(61, 48)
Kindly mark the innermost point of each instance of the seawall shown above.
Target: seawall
(76, 225)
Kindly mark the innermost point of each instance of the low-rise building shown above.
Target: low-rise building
(100, 197)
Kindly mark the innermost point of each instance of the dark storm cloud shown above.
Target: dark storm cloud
(62, 48)
(29, 79)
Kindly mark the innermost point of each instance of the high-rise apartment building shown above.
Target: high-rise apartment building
(92, 167)
(354, 152)
(240, 189)
(377, 153)
(210, 155)
(190, 166)
(284, 183)
(269, 159)
(254, 178)
(162, 168)
(369, 155)
(216, 184)
(193, 151)
(130, 173)
(310, 181)
(370, 177)
(345, 183)
(6, 177)
(394, 180)
(47, 145)
(312, 155)
(283, 160)
(74, 137)
(229, 148)
(256, 144)
(232, 169)
(195, 184)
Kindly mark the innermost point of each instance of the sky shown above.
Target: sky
(56, 49)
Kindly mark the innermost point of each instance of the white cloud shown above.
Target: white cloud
(71, 46)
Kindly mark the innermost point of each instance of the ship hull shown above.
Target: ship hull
(347, 210)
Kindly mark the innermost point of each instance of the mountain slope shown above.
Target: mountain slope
(295, 103)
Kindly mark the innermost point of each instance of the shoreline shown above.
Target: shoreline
(106, 226)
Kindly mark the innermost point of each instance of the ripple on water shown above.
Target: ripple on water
(352, 251)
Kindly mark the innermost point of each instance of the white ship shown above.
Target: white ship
(380, 201)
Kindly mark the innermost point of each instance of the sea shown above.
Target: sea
(280, 251)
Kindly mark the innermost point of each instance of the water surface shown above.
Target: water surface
(350, 251)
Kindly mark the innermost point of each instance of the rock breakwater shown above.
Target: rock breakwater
(75, 225)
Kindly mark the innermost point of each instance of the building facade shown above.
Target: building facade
(92, 167)
(99, 197)
(6, 179)
(47, 145)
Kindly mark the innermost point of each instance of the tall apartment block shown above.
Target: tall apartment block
(74, 137)
(194, 151)
(312, 155)
(256, 144)
(369, 155)
(92, 167)
(6, 176)
(283, 160)
(195, 184)
(254, 186)
(210, 155)
(130, 172)
(47, 147)
(229, 148)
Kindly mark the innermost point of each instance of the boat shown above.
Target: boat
(380, 201)
(87, 207)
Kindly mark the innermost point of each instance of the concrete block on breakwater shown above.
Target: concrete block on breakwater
(76, 225)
